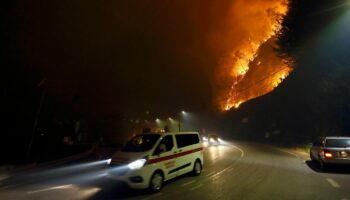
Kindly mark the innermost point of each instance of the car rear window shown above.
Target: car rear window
(184, 140)
(341, 143)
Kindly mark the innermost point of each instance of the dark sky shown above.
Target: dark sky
(118, 55)
(112, 57)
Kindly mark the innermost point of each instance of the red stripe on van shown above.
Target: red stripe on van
(152, 161)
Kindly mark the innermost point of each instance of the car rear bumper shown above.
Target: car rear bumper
(345, 161)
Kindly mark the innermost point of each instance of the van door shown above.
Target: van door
(164, 157)
(188, 146)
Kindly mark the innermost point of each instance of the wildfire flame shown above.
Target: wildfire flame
(252, 68)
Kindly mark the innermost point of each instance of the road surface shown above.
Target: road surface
(233, 171)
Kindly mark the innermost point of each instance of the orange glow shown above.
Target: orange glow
(252, 68)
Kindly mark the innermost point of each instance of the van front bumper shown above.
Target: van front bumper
(133, 178)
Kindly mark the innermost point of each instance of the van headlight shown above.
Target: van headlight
(137, 164)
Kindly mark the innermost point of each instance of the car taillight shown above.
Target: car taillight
(327, 154)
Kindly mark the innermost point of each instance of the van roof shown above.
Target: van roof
(175, 133)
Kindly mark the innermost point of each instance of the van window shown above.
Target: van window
(186, 139)
(141, 143)
(165, 145)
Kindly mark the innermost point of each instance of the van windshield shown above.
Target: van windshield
(141, 143)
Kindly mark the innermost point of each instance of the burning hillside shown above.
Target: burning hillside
(251, 67)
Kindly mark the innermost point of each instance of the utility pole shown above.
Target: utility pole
(36, 119)
(180, 114)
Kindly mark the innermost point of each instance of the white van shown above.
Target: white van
(148, 160)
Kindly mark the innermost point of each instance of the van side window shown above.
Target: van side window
(184, 140)
(165, 145)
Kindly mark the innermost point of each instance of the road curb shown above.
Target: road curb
(296, 152)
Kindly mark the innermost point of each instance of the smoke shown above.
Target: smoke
(250, 67)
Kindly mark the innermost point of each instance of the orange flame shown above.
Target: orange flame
(252, 68)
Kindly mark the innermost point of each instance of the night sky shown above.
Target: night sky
(119, 56)
(123, 58)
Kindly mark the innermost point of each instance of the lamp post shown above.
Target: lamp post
(182, 113)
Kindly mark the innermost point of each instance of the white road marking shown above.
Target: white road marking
(220, 172)
(153, 196)
(333, 182)
(190, 182)
(210, 174)
(215, 178)
(242, 152)
(50, 188)
(196, 187)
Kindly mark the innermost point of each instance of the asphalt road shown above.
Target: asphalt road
(233, 171)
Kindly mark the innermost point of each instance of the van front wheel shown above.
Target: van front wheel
(156, 182)
(197, 168)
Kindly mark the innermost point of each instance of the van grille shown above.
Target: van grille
(118, 169)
